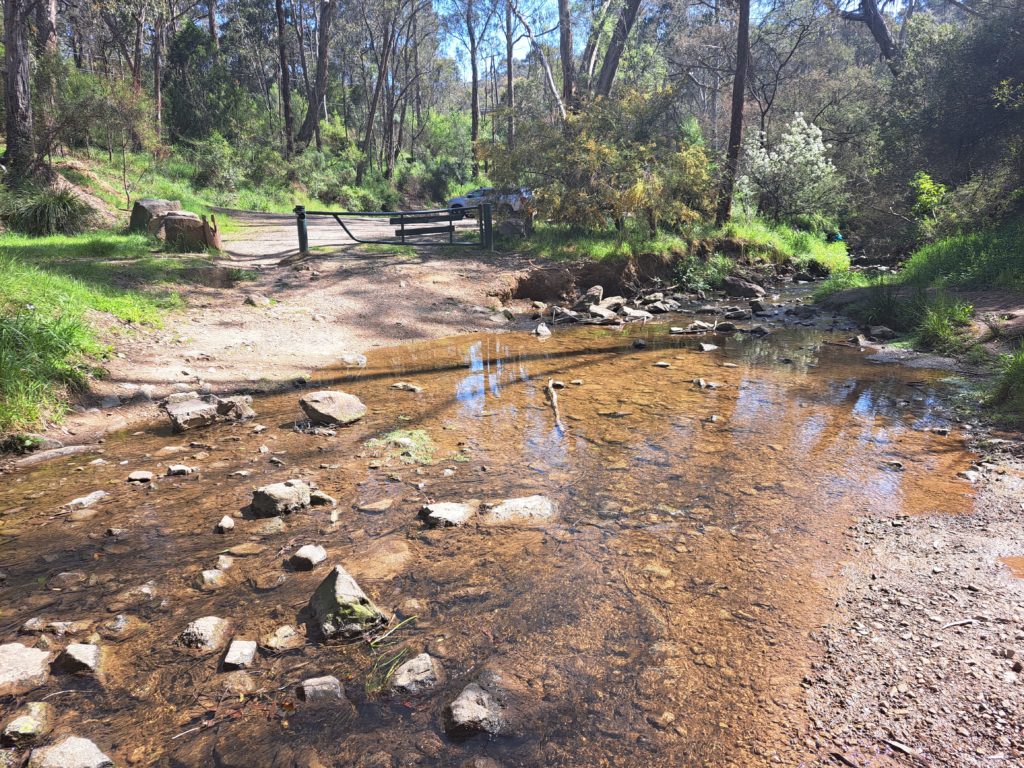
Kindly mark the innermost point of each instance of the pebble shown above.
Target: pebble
(210, 633)
(241, 654)
(140, 476)
(30, 723)
(321, 499)
(308, 557)
(176, 470)
(284, 638)
(326, 688)
(79, 658)
(227, 523)
(210, 579)
(420, 673)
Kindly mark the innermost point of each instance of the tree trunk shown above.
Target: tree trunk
(474, 90)
(46, 26)
(158, 73)
(872, 16)
(211, 20)
(316, 100)
(286, 83)
(371, 112)
(510, 86)
(610, 65)
(736, 122)
(565, 52)
(20, 154)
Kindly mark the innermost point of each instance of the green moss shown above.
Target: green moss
(411, 446)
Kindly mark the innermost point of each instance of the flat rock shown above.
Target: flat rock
(332, 407)
(737, 286)
(72, 752)
(241, 654)
(326, 688)
(308, 557)
(321, 499)
(269, 527)
(525, 509)
(22, 668)
(79, 659)
(280, 498)
(210, 579)
(341, 609)
(210, 633)
(190, 414)
(376, 507)
(176, 470)
(474, 711)
(30, 723)
(227, 523)
(420, 673)
(248, 549)
(448, 513)
(140, 476)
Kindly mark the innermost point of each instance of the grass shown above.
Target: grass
(984, 259)
(48, 288)
(778, 242)
(410, 446)
(1008, 395)
(841, 281)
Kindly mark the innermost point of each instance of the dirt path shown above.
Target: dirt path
(309, 312)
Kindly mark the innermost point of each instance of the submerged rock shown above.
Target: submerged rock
(86, 501)
(341, 609)
(210, 579)
(210, 633)
(448, 513)
(332, 407)
(523, 509)
(542, 331)
(72, 752)
(284, 638)
(190, 414)
(280, 498)
(326, 688)
(79, 659)
(30, 723)
(420, 673)
(22, 668)
(474, 711)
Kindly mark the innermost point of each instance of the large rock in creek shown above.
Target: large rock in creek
(448, 513)
(72, 752)
(341, 609)
(737, 286)
(525, 509)
(475, 710)
(332, 407)
(280, 498)
(148, 212)
(22, 668)
(190, 414)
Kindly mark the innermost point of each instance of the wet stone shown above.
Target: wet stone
(474, 711)
(321, 499)
(448, 513)
(79, 659)
(341, 609)
(22, 668)
(86, 501)
(72, 752)
(241, 654)
(284, 638)
(177, 470)
(519, 510)
(67, 580)
(327, 688)
(29, 724)
(332, 407)
(265, 582)
(280, 498)
(269, 527)
(141, 476)
(210, 633)
(210, 579)
(227, 523)
(308, 557)
(420, 673)
(190, 414)
(376, 507)
(542, 331)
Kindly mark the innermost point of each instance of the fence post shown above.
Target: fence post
(488, 238)
(300, 223)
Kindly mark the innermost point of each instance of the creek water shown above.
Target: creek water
(664, 618)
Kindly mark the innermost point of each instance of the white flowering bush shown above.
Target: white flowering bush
(794, 178)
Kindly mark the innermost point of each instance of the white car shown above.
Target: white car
(504, 200)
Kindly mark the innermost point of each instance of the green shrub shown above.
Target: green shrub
(698, 274)
(1009, 389)
(942, 319)
(215, 163)
(47, 211)
(988, 258)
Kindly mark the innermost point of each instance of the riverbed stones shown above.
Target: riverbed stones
(29, 724)
(140, 476)
(235, 408)
(448, 513)
(321, 499)
(241, 654)
(881, 332)
(178, 470)
(72, 752)
(190, 414)
(737, 286)
(418, 674)
(341, 609)
(473, 711)
(210, 579)
(525, 509)
(227, 523)
(332, 407)
(542, 331)
(209, 633)
(280, 498)
(22, 668)
(317, 689)
(88, 500)
(308, 557)
(79, 659)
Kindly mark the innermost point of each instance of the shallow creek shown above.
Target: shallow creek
(664, 619)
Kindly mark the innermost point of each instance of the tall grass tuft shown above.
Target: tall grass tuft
(1009, 389)
(45, 211)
